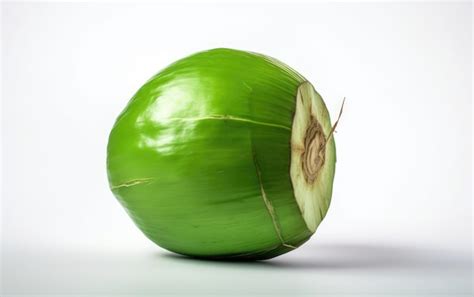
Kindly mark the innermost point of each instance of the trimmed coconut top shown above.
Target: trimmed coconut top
(312, 156)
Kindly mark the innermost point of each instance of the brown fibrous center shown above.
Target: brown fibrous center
(314, 151)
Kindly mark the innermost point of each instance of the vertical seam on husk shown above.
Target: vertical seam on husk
(268, 204)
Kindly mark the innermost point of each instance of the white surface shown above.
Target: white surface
(401, 217)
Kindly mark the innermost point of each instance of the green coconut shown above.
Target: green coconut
(224, 154)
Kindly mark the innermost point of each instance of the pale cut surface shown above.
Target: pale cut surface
(312, 156)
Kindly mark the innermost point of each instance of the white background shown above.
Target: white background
(401, 217)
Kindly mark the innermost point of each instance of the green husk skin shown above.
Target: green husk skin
(200, 157)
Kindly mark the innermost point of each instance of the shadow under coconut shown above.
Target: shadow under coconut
(215, 262)
(366, 256)
(348, 256)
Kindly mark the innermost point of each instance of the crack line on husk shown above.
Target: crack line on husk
(132, 182)
(231, 118)
(268, 204)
